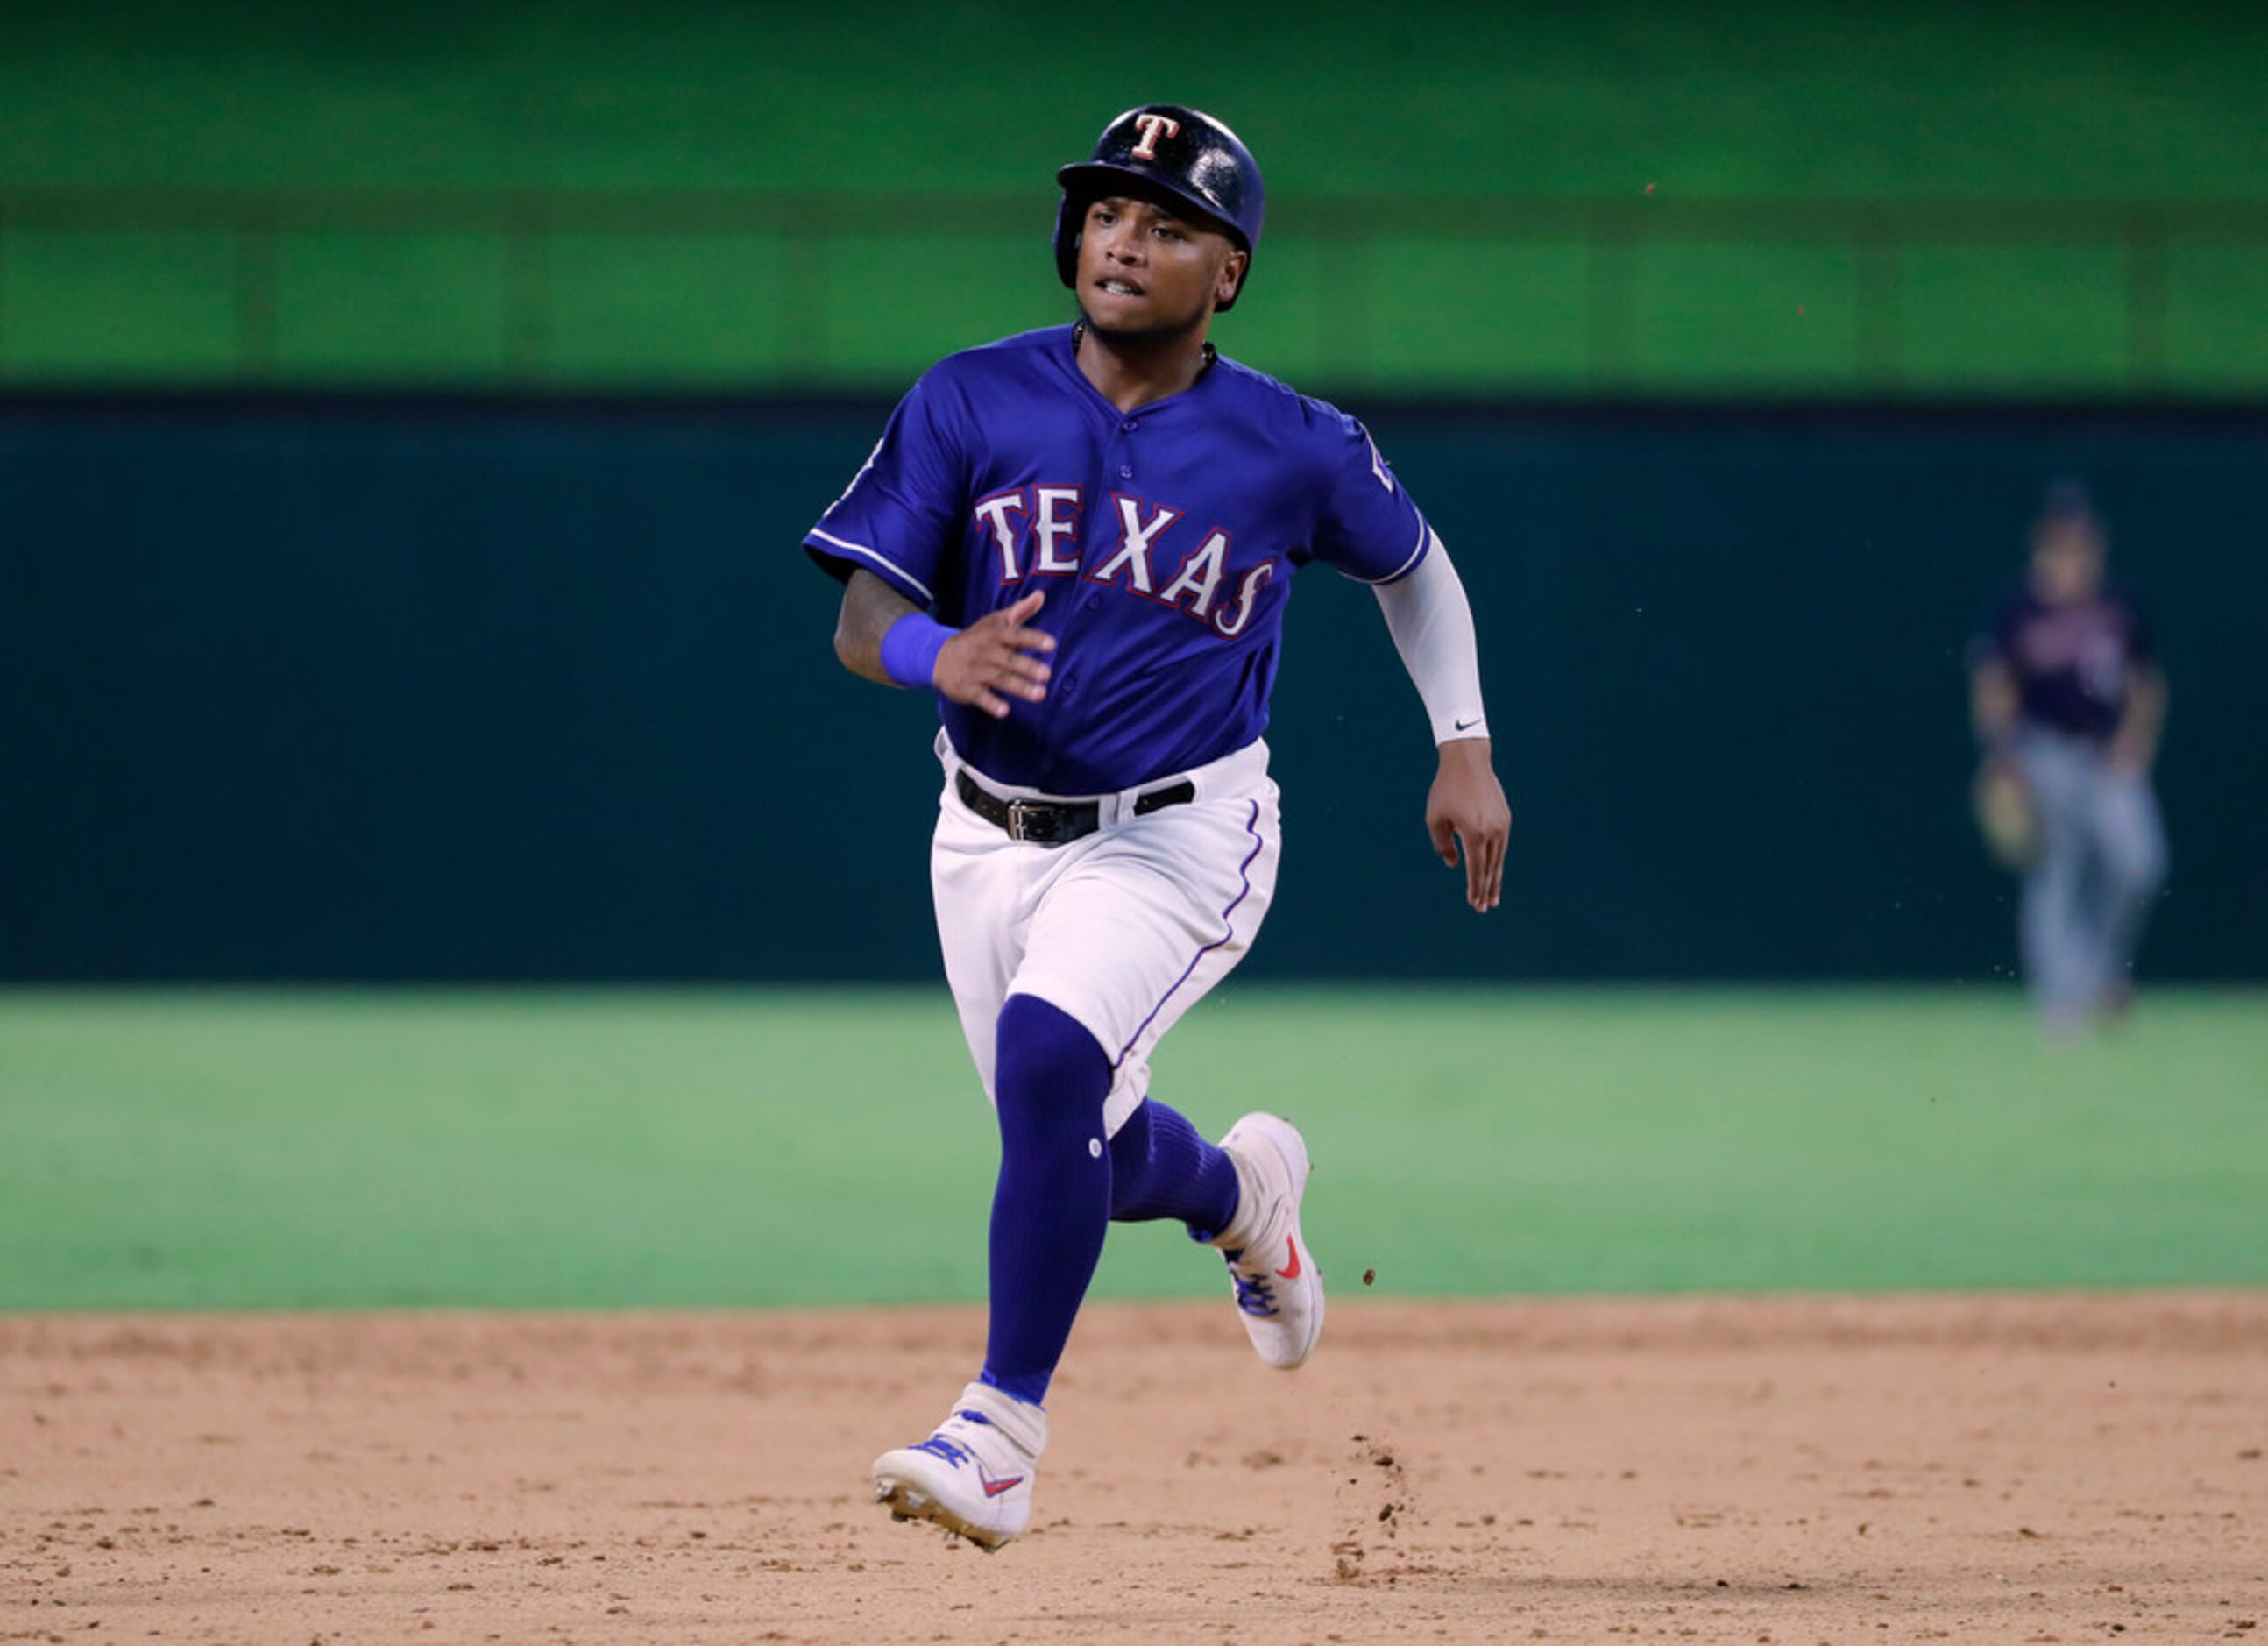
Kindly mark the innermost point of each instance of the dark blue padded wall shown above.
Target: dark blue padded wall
(520, 690)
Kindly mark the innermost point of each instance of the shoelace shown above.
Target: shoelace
(938, 1445)
(1255, 1294)
(952, 1452)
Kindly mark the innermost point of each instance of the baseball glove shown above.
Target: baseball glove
(2005, 815)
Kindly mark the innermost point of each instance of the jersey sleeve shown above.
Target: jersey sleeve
(895, 519)
(1368, 527)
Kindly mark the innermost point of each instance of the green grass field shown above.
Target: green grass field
(204, 1149)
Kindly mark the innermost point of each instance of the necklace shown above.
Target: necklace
(1078, 335)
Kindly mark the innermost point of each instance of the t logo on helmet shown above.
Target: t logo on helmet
(1153, 126)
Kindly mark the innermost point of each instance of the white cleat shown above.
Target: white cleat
(1278, 1288)
(973, 1476)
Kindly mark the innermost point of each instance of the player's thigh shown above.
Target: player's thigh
(984, 887)
(2057, 778)
(1133, 932)
(2129, 832)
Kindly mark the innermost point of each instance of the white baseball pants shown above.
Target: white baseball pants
(1122, 931)
(2103, 860)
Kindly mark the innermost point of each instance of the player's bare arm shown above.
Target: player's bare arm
(2134, 745)
(994, 655)
(1991, 703)
(870, 606)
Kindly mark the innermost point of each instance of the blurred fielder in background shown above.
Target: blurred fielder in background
(2067, 701)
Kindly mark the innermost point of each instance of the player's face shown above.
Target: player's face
(1147, 275)
(2067, 563)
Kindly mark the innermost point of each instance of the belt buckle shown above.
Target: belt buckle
(1021, 816)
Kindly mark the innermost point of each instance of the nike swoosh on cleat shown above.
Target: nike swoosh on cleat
(993, 1489)
(1292, 1273)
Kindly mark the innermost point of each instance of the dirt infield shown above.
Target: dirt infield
(1782, 1470)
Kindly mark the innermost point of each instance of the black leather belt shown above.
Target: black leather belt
(1057, 822)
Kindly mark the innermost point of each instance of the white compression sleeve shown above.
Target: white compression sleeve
(1432, 623)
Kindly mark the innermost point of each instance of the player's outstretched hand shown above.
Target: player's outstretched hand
(1468, 806)
(994, 655)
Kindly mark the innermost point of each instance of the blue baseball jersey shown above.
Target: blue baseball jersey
(1165, 539)
(2069, 662)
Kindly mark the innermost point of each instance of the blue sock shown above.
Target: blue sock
(1052, 1206)
(1160, 1168)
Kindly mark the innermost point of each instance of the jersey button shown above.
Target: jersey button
(1092, 601)
(1130, 425)
(1125, 471)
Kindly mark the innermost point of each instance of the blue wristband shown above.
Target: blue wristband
(909, 649)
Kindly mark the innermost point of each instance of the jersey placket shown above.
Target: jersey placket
(1122, 447)
(1118, 460)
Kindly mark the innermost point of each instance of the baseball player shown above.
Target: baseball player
(2067, 702)
(1082, 540)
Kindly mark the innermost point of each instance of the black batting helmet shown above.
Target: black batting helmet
(1189, 154)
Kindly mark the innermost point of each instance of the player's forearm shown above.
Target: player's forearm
(2145, 715)
(1432, 622)
(870, 607)
(1991, 706)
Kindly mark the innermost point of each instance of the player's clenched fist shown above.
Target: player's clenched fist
(997, 658)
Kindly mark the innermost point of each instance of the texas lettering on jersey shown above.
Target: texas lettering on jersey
(1036, 529)
(1003, 471)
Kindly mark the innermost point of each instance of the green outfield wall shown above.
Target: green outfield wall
(401, 689)
(1637, 199)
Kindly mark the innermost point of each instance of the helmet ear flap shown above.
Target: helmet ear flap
(1070, 229)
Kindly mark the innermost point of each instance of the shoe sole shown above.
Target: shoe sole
(910, 1502)
(1284, 1138)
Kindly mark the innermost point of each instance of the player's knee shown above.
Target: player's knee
(2141, 875)
(1049, 1075)
(2136, 865)
(1130, 1147)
